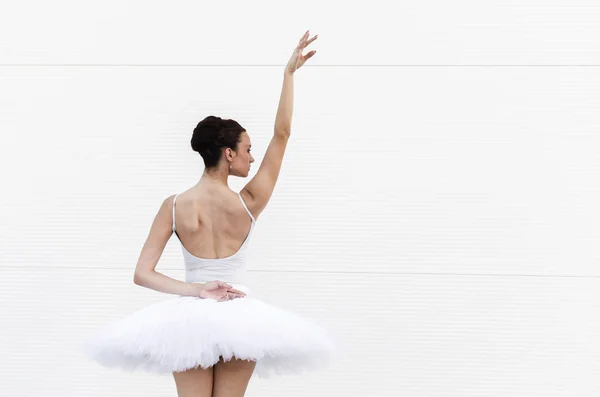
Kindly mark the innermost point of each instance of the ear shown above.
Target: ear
(228, 153)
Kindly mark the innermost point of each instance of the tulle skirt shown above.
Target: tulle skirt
(187, 332)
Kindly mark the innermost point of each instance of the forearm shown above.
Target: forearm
(283, 120)
(159, 282)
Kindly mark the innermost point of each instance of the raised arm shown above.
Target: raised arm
(260, 188)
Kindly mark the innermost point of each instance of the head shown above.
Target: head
(223, 144)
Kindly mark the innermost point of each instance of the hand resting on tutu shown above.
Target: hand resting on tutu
(217, 290)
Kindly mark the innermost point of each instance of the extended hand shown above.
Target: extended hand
(220, 291)
(297, 59)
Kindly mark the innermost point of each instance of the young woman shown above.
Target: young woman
(214, 335)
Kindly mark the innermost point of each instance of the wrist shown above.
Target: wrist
(194, 289)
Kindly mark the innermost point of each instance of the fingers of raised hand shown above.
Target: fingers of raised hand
(311, 40)
(310, 54)
(304, 40)
(304, 36)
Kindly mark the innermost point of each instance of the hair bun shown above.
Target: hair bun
(206, 133)
(212, 134)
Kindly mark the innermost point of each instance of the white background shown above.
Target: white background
(436, 210)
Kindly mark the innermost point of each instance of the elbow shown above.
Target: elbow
(282, 132)
(138, 278)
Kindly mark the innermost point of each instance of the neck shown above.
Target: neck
(216, 176)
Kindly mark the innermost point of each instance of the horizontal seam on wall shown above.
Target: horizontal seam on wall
(310, 66)
(83, 268)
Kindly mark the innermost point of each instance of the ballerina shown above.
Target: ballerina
(213, 336)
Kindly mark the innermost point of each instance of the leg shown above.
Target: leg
(197, 382)
(231, 377)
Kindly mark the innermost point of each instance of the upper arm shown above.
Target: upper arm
(261, 186)
(160, 233)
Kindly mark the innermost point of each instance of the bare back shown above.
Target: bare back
(211, 224)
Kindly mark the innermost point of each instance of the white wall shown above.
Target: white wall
(437, 207)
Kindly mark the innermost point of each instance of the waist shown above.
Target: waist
(229, 276)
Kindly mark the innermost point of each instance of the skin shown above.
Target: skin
(212, 223)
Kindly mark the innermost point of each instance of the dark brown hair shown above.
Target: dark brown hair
(212, 134)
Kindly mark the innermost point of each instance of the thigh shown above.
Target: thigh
(197, 382)
(231, 377)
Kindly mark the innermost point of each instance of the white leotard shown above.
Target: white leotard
(231, 269)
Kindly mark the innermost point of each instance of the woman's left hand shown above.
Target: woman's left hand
(297, 59)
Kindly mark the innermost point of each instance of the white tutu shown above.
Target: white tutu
(187, 332)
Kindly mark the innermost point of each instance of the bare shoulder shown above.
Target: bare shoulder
(167, 203)
(259, 189)
(164, 215)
